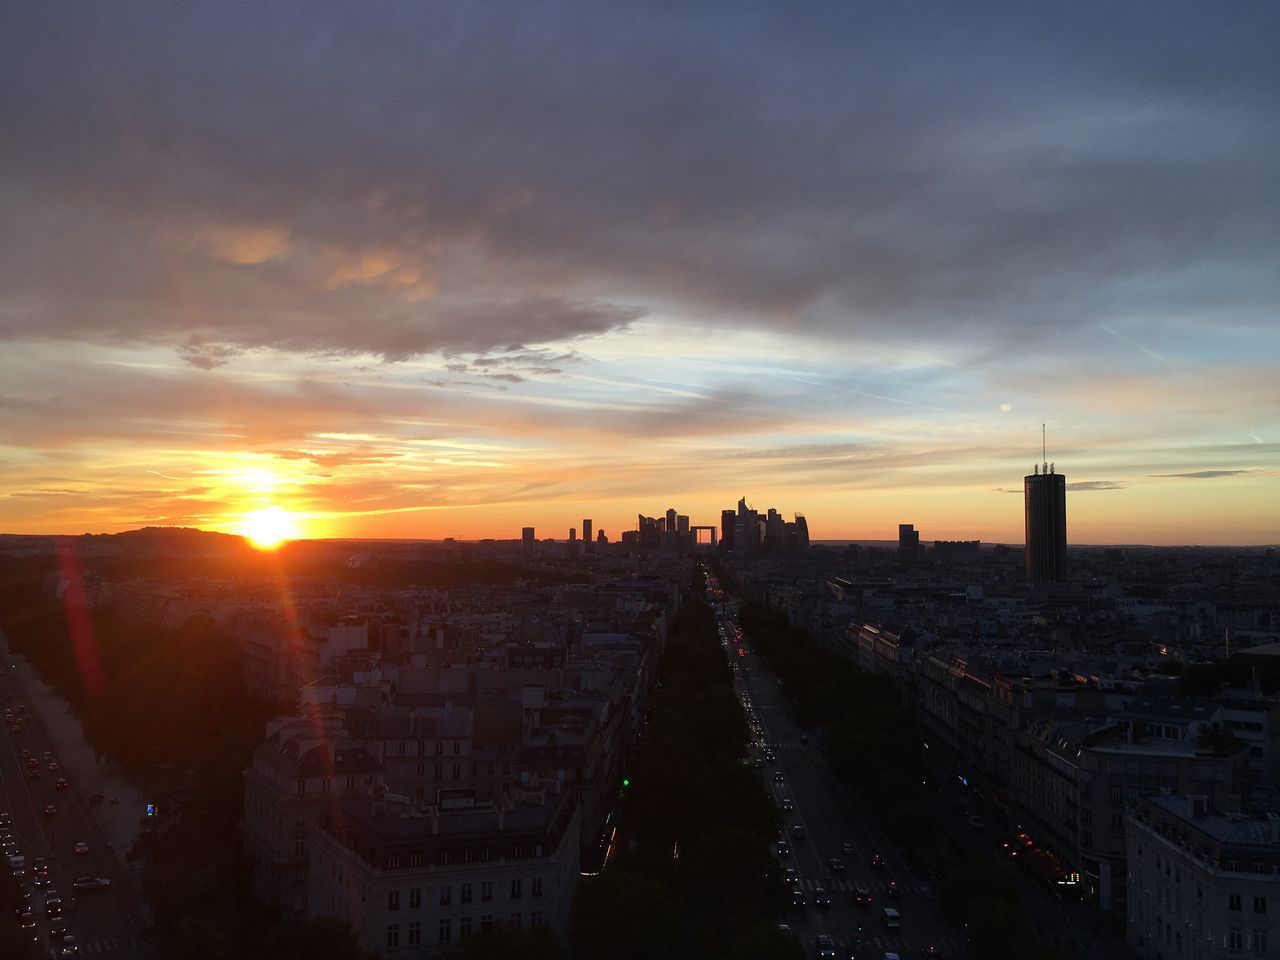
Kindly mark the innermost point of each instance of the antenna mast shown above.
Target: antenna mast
(1044, 448)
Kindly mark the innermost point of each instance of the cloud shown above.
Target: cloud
(1081, 486)
(1205, 474)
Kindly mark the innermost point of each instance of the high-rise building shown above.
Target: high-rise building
(586, 531)
(1045, 498)
(573, 534)
(908, 543)
(526, 539)
(671, 520)
(727, 519)
(682, 525)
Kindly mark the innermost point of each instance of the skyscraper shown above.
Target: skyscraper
(671, 520)
(586, 531)
(1045, 496)
(908, 543)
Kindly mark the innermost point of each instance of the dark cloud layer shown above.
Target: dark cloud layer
(399, 179)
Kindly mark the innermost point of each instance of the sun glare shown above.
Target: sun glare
(269, 527)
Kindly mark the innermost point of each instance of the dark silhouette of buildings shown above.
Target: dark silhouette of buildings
(1045, 494)
(908, 543)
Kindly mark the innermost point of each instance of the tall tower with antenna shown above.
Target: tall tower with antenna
(1045, 503)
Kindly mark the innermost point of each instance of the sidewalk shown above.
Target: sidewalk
(119, 823)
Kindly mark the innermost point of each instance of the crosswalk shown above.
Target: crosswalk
(881, 887)
(909, 948)
(94, 947)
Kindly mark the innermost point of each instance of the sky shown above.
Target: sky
(448, 269)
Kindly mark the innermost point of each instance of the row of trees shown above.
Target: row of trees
(874, 743)
(697, 878)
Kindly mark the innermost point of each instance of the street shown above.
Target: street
(102, 921)
(829, 820)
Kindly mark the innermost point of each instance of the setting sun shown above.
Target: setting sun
(267, 528)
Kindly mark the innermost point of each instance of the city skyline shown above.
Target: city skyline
(355, 273)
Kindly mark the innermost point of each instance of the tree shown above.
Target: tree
(623, 916)
(505, 942)
(324, 939)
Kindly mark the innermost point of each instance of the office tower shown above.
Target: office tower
(1045, 497)
(682, 525)
(586, 531)
(802, 531)
(573, 534)
(727, 519)
(908, 543)
(526, 539)
(601, 539)
(671, 520)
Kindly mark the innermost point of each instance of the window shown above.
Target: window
(415, 933)
(1259, 904)
(422, 747)
(457, 771)
(393, 899)
(400, 749)
(393, 935)
(300, 847)
(300, 787)
(415, 898)
(457, 747)
(446, 894)
(535, 887)
(486, 891)
(464, 893)
(439, 747)
(415, 859)
(439, 771)
(1235, 938)
(1233, 901)
(1117, 821)
(486, 922)
(535, 918)
(393, 863)
(1258, 943)
(1116, 794)
(514, 920)
(351, 783)
(446, 930)
(422, 769)
(515, 888)
(464, 926)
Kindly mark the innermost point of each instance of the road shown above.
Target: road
(829, 818)
(103, 922)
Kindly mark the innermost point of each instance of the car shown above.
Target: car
(797, 899)
(42, 883)
(50, 810)
(759, 762)
(862, 895)
(69, 948)
(16, 728)
(894, 892)
(825, 946)
(778, 777)
(804, 738)
(975, 821)
(53, 765)
(53, 905)
(821, 898)
(930, 953)
(846, 846)
(34, 773)
(61, 784)
(26, 754)
(90, 883)
(792, 876)
(40, 866)
(876, 862)
(770, 758)
(784, 848)
(48, 754)
(6, 820)
(10, 847)
(57, 931)
(27, 920)
(835, 865)
(787, 805)
(80, 849)
(798, 831)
